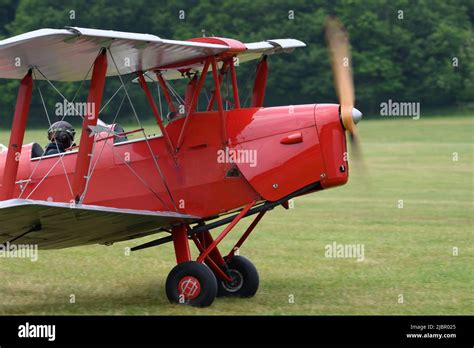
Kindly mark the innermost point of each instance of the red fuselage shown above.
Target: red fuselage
(272, 152)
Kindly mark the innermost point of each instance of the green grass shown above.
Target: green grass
(408, 251)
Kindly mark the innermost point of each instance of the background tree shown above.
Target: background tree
(402, 50)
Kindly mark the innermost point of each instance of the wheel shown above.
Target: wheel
(245, 279)
(191, 283)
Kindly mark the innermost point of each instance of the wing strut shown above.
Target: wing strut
(155, 160)
(96, 91)
(155, 112)
(235, 86)
(194, 101)
(260, 83)
(210, 106)
(20, 118)
(164, 87)
(218, 96)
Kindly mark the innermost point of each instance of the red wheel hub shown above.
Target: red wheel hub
(189, 287)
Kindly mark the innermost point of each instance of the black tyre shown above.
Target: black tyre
(245, 279)
(191, 283)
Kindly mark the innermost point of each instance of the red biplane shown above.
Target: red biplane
(209, 167)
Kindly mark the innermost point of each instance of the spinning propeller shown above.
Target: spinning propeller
(339, 50)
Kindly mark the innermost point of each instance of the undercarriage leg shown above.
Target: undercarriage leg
(206, 240)
(215, 262)
(189, 282)
(181, 244)
(246, 234)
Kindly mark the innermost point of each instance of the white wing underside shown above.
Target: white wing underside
(68, 54)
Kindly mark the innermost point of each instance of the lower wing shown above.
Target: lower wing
(51, 225)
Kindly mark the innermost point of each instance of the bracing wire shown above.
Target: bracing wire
(144, 134)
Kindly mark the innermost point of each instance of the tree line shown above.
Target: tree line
(413, 51)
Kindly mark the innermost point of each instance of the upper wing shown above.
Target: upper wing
(67, 54)
(253, 51)
(58, 225)
(256, 49)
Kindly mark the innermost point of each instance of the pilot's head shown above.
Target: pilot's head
(62, 132)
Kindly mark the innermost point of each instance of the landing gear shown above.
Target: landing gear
(244, 276)
(191, 283)
(198, 283)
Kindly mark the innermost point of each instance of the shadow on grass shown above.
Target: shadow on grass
(119, 301)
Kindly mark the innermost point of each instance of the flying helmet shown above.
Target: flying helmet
(62, 132)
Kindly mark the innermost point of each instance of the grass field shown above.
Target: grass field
(408, 251)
